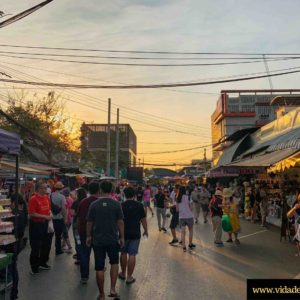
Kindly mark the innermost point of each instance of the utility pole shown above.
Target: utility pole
(108, 140)
(117, 145)
(204, 159)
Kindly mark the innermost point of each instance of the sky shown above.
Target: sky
(267, 26)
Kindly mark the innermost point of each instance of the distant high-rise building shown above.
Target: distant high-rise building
(241, 110)
(94, 143)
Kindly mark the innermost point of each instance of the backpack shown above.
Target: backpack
(55, 208)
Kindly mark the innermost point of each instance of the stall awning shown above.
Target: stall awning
(283, 165)
(5, 165)
(9, 143)
(265, 160)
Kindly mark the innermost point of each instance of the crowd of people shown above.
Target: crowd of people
(108, 221)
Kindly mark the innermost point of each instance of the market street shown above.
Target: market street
(165, 272)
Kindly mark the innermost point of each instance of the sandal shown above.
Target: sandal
(131, 281)
(120, 276)
(114, 295)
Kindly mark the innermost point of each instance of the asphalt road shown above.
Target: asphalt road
(164, 272)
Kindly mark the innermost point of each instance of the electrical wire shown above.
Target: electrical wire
(146, 86)
(146, 52)
(145, 65)
(160, 119)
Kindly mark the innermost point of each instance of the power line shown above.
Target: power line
(147, 52)
(23, 14)
(145, 65)
(145, 86)
(161, 119)
(175, 151)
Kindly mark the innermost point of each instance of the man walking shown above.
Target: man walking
(40, 215)
(105, 223)
(195, 197)
(59, 211)
(134, 216)
(216, 215)
(175, 214)
(82, 212)
(204, 202)
(160, 200)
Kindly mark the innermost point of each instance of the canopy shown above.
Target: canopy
(23, 168)
(9, 143)
(265, 160)
(290, 162)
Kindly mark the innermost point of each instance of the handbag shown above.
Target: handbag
(226, 225)
(50, 227)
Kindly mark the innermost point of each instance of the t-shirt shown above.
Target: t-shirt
(39, 205)
(215, 207)
(104, 214)
(147, 195)
(184, 208)
(173, 198)
(160, 200)
(82, 213)
(59, 200)
(133, 214)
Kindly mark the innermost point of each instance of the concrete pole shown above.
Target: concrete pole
(108, 140)
(117, 145)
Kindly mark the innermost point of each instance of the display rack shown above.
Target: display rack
(6, 236)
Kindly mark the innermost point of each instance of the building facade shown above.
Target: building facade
(94, 144)
(238, 110)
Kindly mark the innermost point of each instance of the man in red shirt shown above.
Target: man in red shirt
(85, 252)
(40, 215)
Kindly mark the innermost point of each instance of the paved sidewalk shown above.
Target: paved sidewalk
(164, 272)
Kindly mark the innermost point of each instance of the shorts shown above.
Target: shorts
(175, 220)
(186, 222)
(131, 247)
(146, 203)
(100, 255)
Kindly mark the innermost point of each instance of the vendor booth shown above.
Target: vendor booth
(9, 145)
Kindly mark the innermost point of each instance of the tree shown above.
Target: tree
(46, 125)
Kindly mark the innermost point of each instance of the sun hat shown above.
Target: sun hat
(227, 193)
(58, 185)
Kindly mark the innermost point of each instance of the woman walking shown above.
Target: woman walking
(230, 208)
(184, 208)
(80, 195)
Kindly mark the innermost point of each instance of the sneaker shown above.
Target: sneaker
(229, 241)
(174, 241)
(192, 246)
(34, 272)
(69, 251)
(45, 267)
(84, 281)
(237, 242)
(219, 244)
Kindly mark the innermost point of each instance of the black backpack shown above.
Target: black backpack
(54, 208)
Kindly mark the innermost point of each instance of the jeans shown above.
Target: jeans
(217, 228)
(75, 235)
(161, 214)
(39, 242)
(84, 257)
(58, 229)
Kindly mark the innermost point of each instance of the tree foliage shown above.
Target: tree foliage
(47, 126)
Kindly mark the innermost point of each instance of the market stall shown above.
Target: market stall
(9, 145)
